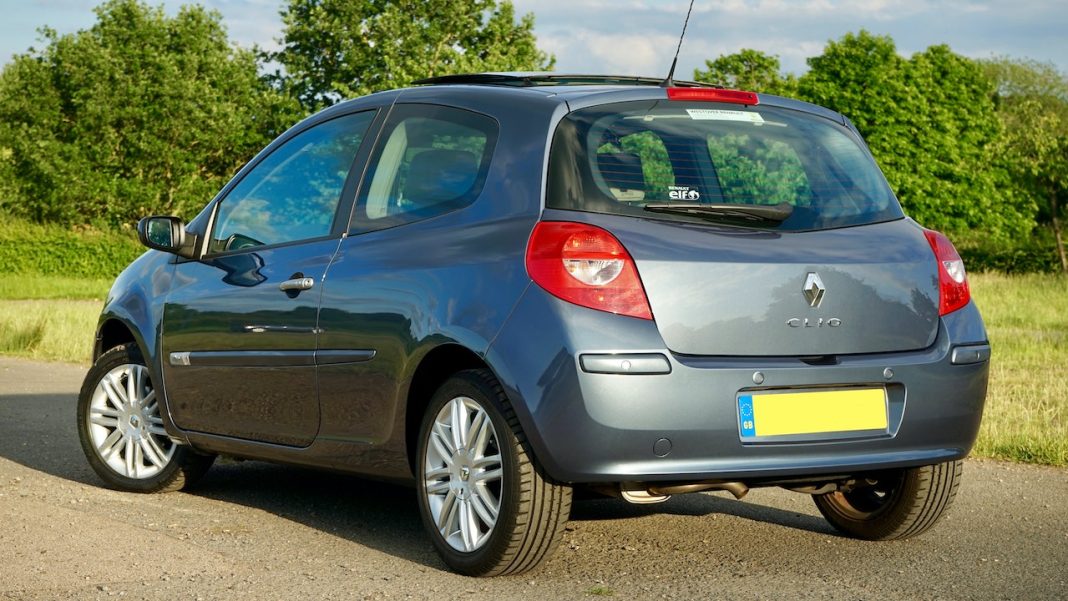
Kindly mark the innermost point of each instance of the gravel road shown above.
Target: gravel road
(252, 530)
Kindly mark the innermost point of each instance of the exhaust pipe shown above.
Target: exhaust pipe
(639, 493)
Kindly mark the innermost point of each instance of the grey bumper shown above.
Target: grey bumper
(586, 424)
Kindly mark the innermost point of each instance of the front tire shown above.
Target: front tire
(121, 429)
(895, 504)
(484, 503)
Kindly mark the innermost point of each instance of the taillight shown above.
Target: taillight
(586, 265)
(952, 281)
(713, 95)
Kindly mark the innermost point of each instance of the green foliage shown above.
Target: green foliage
(1035, 253)
(1033, 107)
(930, 121)
(750, 70)
(656, 167)
(28, 248)
(759, 171)
(142, 113)
(334, 49)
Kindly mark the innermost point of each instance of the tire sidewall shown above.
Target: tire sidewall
(121, 355)
(484, 559)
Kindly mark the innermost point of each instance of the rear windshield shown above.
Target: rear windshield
(701, 162)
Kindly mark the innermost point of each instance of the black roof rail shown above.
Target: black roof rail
(553, 79)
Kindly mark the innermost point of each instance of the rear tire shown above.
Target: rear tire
(121, 429)
(483, 500)
(899, 504)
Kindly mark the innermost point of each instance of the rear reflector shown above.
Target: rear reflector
(586, 265)
(713, 95)
(953, 290)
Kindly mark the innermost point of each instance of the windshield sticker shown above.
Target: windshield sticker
(683, 193)
(723, 115)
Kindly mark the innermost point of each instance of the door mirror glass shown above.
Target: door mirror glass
(164, 232)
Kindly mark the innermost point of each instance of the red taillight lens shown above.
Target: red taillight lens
(586, 265)
(952, 281)
(713, 95)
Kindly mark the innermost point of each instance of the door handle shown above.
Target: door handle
(296, 284)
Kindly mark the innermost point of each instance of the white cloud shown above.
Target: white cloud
(639, 36)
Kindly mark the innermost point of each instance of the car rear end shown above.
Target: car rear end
(727, 294)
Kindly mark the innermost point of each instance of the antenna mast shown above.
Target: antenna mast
(671, 73)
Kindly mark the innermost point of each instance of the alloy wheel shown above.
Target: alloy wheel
(463, 474)
(124, 424)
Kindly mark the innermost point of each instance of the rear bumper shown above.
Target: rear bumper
(607, 427)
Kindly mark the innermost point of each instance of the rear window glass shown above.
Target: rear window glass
(698, 162)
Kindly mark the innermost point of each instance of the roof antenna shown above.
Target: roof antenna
(667, 83)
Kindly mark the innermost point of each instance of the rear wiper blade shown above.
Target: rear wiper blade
(724, 211)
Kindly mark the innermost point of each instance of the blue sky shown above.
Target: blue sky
(638, 36)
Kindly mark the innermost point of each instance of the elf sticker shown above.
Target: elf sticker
(683, 193)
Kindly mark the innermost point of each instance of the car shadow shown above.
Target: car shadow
(699, 505)
(39, 432)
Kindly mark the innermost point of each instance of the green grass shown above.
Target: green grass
(37, 287)
(51, 330)
(1026, 415)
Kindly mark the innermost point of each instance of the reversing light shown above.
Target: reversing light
(953, 290)
(586, 265)
(713, 95)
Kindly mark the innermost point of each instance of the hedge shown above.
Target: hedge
(27, 247)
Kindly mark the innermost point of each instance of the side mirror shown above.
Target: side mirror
(166, 233)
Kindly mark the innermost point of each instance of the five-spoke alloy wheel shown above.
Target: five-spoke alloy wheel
(483, 500)
(121, 428)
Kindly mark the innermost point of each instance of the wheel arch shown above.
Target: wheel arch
(434, 368)
(111, 333)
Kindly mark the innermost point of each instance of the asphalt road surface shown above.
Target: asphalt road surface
(253, 530)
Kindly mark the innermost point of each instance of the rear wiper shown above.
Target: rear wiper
(726, 212)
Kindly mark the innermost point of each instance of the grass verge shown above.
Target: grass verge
(51, 330)
(50, 287)
(1026, 416)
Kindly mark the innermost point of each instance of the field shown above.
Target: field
(1026, 415)
(1026, 418)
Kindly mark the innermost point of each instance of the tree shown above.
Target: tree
(1033, 106)
(334, 49)
(750, 70)
(141, 113)
(930, 121)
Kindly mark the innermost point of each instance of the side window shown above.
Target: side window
(292, 194)
(433, 160)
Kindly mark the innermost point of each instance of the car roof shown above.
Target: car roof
(580, 90)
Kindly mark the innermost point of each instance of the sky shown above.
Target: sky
(638, 37)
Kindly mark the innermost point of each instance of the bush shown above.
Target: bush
(28, 248)
(1034, 254)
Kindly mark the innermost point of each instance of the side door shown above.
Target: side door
(396, 272)
(240, 325)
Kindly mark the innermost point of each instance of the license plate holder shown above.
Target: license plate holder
(812, 414)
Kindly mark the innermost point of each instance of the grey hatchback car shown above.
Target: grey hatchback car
(507, 287)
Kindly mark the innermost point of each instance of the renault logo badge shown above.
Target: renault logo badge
(814, 289)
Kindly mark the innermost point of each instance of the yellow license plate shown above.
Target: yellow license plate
(811, 412)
